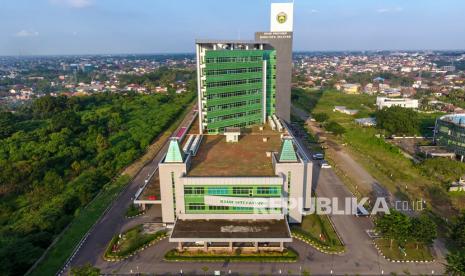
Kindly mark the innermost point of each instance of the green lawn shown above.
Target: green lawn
(61, 250)
(412, 253)
(382, 160)
(130, 242)
(319, 229)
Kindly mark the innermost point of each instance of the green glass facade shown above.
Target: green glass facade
(195, 204)
(234, 87)
(450, 133)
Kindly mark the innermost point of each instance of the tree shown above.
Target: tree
(398, 120)
(455, 263)
(458, 231)
(320, 117)
(335, 128)
(394, 226)
(101, 142)
(6, 124)
(85, 270)
(423, 230)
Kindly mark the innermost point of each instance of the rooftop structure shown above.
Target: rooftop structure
(383, 102)
(210, 230)
(345, 110)
(248, 157)
(368, 122)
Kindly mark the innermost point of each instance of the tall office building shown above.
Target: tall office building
(236, 83)
(242, 83)
(280, 38)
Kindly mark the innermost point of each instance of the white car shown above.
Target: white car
(325, 165)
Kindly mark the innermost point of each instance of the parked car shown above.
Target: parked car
(318, 156)
(362, 212)
(325, 165)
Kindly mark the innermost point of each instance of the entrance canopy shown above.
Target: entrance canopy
(231, 231)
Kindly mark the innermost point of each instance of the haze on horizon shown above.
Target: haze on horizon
(49, 27)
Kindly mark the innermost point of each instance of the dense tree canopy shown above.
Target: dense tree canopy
(402, 228)
(394, 226)
(56, 155)
(398, 120)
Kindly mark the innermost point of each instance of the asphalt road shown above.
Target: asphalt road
(114, 220)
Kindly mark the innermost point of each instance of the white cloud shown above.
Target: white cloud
(74, 3)
(26, 33)
(314, 11)
(386, 10)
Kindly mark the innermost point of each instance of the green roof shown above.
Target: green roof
(174, 154)
(287, 151)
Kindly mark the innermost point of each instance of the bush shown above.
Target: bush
(133, 211)
(335, 128)
(288, 255)
(134, 240)
(321, 117)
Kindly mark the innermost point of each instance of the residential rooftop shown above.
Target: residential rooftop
(248, 157)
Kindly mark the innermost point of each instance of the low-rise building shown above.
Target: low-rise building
(383, 102)
(345, 110)
(351, 88)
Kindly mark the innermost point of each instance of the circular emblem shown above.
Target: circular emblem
(281, 17)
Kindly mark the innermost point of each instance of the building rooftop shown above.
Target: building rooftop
(228, 41)
(152, 189)
(458, 119)
(230, 229)
(248, 157)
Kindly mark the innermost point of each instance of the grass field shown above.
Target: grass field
(409, 253)
(382, 160)
(320, 230)
(130, 242)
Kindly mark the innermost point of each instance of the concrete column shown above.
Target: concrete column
(281, 246)
(230, 246)
(256, 246)
(180, 246)
(205, 246)
(143, 206)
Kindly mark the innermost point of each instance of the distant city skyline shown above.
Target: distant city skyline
(57, 27)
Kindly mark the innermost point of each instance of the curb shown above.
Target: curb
(118, 259)
(402, 261)
(138, 215)
(322, 249)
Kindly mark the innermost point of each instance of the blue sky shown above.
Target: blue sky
(169, 26)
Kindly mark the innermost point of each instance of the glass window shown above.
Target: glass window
(217, 190)
(242, 190)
